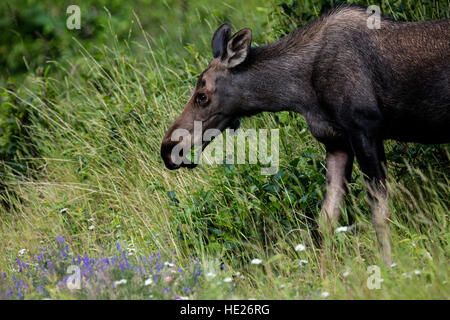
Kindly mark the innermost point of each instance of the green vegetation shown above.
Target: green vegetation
(82, 115)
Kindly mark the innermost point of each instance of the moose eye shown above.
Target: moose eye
(202, 98)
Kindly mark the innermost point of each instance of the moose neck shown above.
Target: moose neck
(276, 77)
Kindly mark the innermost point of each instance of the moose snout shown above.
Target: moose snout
(172, 159)
(166, 155)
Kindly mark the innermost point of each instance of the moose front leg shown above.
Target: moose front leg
(369, 152)
(339, 172)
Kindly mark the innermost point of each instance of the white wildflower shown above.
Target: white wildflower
(345, 274)
(148, 282)
(302, 262)
(22, 252)
(256, 261)
(63, 210)
(92, 227)
(123, 281)
(171, 265)
(210, 275)
(345, 228)
(417, 272)
(341, 229)
(228, 279)
(300, 247)
(324, 294)
(393, 265)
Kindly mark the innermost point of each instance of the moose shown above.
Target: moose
(355, 85)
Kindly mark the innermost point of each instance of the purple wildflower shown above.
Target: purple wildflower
(60, 239)
(86, 259)
(15, 282)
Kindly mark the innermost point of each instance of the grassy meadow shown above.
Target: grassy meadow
(82, 181)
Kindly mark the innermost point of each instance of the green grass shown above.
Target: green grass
(97, 125)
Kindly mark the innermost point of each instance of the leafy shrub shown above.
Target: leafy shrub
(244, 207)
(35, 31)
(15, 139)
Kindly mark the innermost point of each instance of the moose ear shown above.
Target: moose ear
(238, 48)
(220, 39)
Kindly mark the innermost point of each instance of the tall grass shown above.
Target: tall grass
(98, 124)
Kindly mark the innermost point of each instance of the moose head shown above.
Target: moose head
(216, 101)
